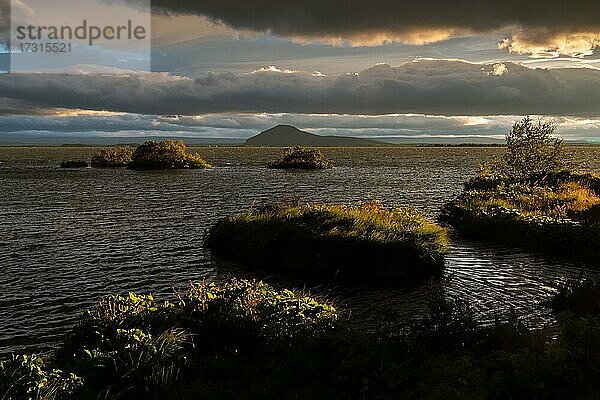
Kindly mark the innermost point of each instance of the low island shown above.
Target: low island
(169, 154)
(361, 243)
(533, 197)
(301, 158)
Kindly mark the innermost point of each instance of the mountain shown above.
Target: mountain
(286, 135)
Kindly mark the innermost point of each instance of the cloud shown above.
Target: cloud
(394, 127)
(442, 87)
(548, 44)
(379, 21)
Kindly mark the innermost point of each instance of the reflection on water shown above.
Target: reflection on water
(70, 236)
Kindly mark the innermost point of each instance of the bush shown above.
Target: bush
(168, 154)
(579, 296)
(366, 242)
(301, 158)
(532, 150)
(113, 157)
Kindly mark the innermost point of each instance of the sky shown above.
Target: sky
(432, 70)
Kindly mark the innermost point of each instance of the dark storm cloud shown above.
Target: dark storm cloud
(313, 17)
(413, 20)
(427, 86)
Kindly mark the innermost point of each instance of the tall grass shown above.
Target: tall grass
(556, 213)
(365, 242)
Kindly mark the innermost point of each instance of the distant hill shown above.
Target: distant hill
(286, 135)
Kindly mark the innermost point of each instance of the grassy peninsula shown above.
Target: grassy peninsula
(364, 242)
(533, 197)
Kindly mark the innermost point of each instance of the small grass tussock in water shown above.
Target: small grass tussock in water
(168, 154)
(113, 157)
(302, 158)
(356, 242)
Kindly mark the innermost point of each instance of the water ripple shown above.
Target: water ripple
(70, 236)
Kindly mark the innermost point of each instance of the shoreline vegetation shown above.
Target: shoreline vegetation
(534, 197)
(246, 340)
(332, 241)
(301, 158)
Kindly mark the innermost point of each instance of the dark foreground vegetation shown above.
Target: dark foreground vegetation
(365, 242)
(302, 158)
(246, 340)
(579, 295)
(113, 157)
(533, 197)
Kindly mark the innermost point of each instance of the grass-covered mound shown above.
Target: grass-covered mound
(113, 157)
(364, 242)
(555, 213)
(246, 340)
(169, 154)
(302, 158)
(533, 196)
(74, 164)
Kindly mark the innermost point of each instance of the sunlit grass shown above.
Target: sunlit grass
(365, 241)
(113, 157)
(558, 213)
(168, 154)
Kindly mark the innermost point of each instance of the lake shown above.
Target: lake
(68, 237)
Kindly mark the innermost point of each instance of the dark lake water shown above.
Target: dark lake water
(70, 236)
